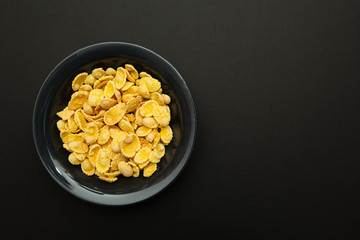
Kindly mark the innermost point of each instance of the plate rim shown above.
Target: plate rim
(116, 199)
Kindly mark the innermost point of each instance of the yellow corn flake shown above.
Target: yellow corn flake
(132, 90)
(110, 153)
(92, 153)
(77, 100)
(134, 125)
(145, 143)
(144, 74)
(65, 114)
(133, 72)
(142, 155)
(152, 84)
(118, 95)
(79, 80)
(79, 156)
(114, 114)
(88, 109)
(167, 99)
(108, 179)
(136, 171)
(90, 80)
(104, 135)
(144, 164)
(133, 103)
(151, 136)
(66, 146)
(167, 108)
(126, 126)
(120, 78)
(157, 97)
(128, 96)
(71, 125)
(79, 137)
(87, 167)
(120, 158)
(102, 161)
(86, 88)
(147, 109)
(107, 144)
(61, 125)
(110, 71)
(143, 131)
(91, 133)
(101, 82)
(73, 159)
(107, 103)
(150, 122)
(99, 123)
(114, 130)
(98, 109)
(80, 120)
(159, 150)
(166, 135)
(129, 145)
(98, 72)
(114, 164)
(78, 147)
(109, 89)
(95, 97)
(95, 118)
(128, 76)
(115, 161)
(153, 158)
(112, 174)
(156, 140)
(130, 117)
(125, 169)
(65, 136)
(150, 169)
(138, 117)
(93, 149)
(115, 144)
(143, 89)
(161, 115)
(127, 86)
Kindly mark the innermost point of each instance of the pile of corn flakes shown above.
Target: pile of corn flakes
(116, 123)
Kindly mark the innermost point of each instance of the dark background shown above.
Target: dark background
(276, 87)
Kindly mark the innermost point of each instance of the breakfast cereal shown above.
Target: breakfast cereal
(116, 123)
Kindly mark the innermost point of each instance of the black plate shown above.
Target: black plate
(55, 94)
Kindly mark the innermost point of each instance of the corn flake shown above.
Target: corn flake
(102, 161)
(77, 100)
(150, 169)
(152, 84)
(95, 97)
(166, 135)
(79, 81)
(129, 145)
(87, 167)
(120, 78)
(114, 114)
(98, 72)
(125, 169)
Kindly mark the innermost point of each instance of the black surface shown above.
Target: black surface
(276, 88)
